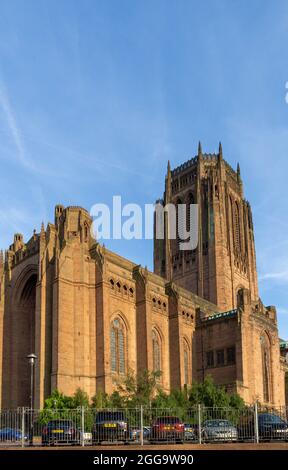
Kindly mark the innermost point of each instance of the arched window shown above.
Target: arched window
(266, 367)
(240, 298)
(236, 223)
(190, 200)
(156, 348)
(86, 232)
(117, 346)
(179, 223)
(186, 357)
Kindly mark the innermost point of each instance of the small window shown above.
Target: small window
(231, 356)
(210, 359)
(220, 357)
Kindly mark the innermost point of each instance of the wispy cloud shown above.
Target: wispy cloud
(281, 276)
(282, 311)
(12, 124)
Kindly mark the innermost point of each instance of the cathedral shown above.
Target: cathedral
(90, 315)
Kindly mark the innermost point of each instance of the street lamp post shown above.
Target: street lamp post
(31, 359)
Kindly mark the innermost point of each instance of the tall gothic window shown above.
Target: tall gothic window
(156, 348)
(190, 200)
(266, 373)
(205, 216)
(186, 354)
(236, 222)
(240, 298)
(186, 378)
(117, 347)
(179, 223)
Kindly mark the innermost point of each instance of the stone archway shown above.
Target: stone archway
(266, 367)
(23, 313)
(286, 388)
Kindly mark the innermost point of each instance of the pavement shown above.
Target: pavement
(163, 447)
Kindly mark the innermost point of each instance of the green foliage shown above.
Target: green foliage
(215, 401)
(103, 400)
(59, 401)
(80, 398)
(236, 401)
(208, 394)
(100, 400)
(140, 389)
(116, 400)
(144, 389)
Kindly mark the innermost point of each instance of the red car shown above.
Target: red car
(168, 428)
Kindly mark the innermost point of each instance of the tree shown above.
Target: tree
(102, 400)
(58, 400)
(80, 398)
(139, 389)
(210, 395)
(145, 389)
(236, 401)
(57, 406)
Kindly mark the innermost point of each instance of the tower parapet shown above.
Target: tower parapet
(1, 263)
(225, 259)
(72, 222)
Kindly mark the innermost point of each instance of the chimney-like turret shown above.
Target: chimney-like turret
(199, 150)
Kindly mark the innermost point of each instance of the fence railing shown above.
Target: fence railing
(142, 425)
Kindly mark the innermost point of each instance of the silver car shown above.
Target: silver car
(219, 430)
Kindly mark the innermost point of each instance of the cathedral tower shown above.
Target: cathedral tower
(224, 261)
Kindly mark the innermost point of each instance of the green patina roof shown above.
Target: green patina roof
(283, 344)
(216, 316)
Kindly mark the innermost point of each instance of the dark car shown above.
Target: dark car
(168, 428)
(10, 434)
(60, 431)
(270, 427)
(219, 430)
(110, 426)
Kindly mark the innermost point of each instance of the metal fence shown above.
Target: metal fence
(142, 425)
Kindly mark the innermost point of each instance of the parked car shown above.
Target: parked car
(270, 427)
(168, 428)
(10, 434)
(219, 430)
(135, 433)
(110, 426)
(189, 432)
(60, 431)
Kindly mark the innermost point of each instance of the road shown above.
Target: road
(191, 447)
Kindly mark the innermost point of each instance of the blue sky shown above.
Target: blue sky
(96, 96)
